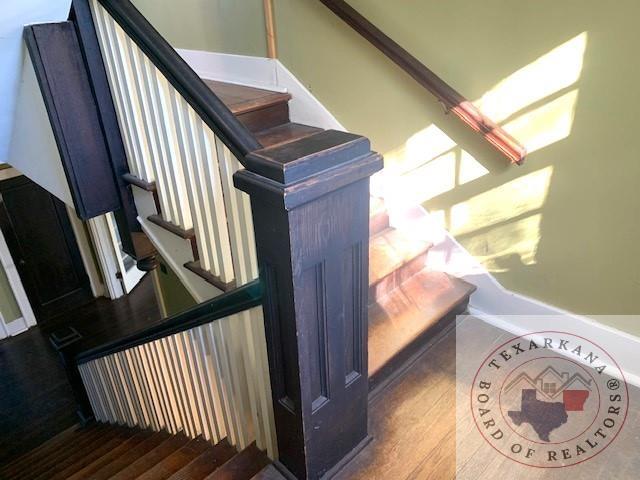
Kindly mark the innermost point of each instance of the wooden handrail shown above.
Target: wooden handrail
(182, 77)
(236, 301)
(450, 98)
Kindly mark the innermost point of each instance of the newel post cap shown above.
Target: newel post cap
(300, 171)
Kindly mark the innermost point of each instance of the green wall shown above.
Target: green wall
(176, 298)
(229, 26)
(562, 228)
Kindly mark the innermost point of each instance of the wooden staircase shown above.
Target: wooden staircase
(407, 302)
(100, 452)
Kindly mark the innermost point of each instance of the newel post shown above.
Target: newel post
(310, 207)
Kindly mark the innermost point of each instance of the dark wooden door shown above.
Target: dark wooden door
(38, 232)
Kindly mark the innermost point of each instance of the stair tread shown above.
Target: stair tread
(243, 465)
(63, 452)
(110, 456)
(268, 473)
(400, 317)
(391, 249)
(176, 460)
(130, 456)
(286, 133)
(41, 451)
(175, 229)
(196, 267)
(242, 99)
(152, 457)
(207, 462)
(102, 448)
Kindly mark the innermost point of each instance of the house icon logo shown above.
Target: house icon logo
(549, 399)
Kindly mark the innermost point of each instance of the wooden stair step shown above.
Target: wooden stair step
(63, 452)
(196, 267)
(180, 232)
(138, 182)
(401, 322)
(100, 450)
(130, 456)
(175, 229)
(257, 108)
(393, 258)
(268, 473)
(34, 456)
(152, 458)
(106, 459)
(378, 216)
(286, 133)
(244, 465)
(206, 463)
(177, 460)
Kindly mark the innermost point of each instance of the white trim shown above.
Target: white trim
(255, 72)
(264, 73)
(28, 318)
(622, 346)
(107, 258)
(95, 279)
(131, 277)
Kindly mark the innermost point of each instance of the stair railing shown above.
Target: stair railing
(293, 374)
(446, 95)
(180, 375)
(182, 142)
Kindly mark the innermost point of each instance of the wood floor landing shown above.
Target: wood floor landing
(413, 425)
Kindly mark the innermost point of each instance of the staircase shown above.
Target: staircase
(100, 452)
(407, 303)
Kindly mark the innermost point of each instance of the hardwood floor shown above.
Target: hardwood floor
(418, 436)
(35, 400)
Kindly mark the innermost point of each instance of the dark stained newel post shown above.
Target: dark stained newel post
(310, 206)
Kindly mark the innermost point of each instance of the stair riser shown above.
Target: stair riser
(397, 277)
(265, 118)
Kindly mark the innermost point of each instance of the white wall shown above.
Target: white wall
(15, 14)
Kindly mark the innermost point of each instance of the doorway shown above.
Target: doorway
(41, 241)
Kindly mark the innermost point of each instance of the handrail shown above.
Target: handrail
(236, 301)
(450, 98)
(182, 77)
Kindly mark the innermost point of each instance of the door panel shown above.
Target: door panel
(39, 235)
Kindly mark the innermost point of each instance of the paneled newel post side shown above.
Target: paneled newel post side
(310, 206)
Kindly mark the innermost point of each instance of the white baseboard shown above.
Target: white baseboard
(264, 73)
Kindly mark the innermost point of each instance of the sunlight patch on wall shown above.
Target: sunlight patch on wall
(500, 204)
(469, 169)
(420, 148)
(506, 247)
(547, 124)
(552, 72)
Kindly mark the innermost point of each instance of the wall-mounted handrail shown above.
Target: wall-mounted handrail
(182, 77)
(451, 99)
(236, 301)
